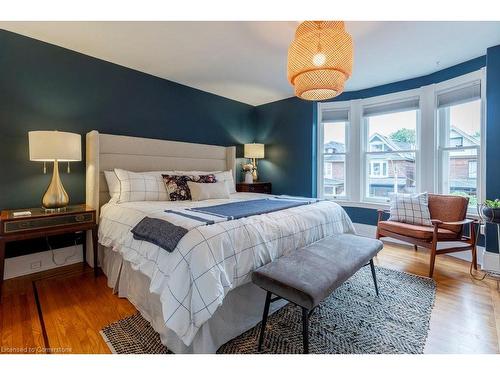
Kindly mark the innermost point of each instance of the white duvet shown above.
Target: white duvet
(210, 260)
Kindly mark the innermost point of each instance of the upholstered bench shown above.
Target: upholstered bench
(309, 275)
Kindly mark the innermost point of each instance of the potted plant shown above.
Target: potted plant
(491, 211)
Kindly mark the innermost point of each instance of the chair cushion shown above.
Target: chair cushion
(448, 208)
(416, 231)
(309, 275)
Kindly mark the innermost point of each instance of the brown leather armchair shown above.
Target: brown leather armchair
(448, 217)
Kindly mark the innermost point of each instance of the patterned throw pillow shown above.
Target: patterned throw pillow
(177, 187)
(226, 176)
(410, 209)
(144, 186)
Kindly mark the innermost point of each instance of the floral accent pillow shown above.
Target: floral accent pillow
(177, 187)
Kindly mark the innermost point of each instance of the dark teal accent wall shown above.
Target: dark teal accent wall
(292, 122)
(492, 136)
(287, 127)
(45, 87)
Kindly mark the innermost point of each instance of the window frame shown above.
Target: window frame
(320, 164)
(441, 132)
(393, 98)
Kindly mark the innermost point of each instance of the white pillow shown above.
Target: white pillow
(410, 209)
(193, 173)
(202, 191)
(226, 176)
(143, 186)
(113, 184)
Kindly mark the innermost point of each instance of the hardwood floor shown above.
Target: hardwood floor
(73, 306)
(466, 313)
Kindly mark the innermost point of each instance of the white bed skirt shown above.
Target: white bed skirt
(242, 308)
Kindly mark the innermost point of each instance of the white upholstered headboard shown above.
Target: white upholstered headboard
(106, 152)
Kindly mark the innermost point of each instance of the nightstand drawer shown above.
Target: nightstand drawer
(46, 222)
(256, 187)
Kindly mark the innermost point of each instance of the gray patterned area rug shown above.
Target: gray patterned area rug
(353, 320)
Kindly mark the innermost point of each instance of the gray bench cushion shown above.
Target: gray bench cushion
(309, 275)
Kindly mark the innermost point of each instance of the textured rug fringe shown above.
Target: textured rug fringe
(108, 342)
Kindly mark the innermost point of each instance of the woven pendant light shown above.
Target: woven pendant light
(320, 59)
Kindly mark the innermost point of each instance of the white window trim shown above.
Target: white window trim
(334, 106)
(451, 85)
(381, 100)
(427, 152)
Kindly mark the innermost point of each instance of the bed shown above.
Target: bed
(199, 296)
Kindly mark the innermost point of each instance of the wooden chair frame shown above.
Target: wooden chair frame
(432, 244)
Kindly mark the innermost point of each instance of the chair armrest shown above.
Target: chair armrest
(380, 213)
(461, 222)
(436, 222)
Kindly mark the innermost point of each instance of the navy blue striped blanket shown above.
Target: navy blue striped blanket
(238, 210)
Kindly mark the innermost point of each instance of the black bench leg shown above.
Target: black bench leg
(305, 330)
(372, 266)
(264, 320)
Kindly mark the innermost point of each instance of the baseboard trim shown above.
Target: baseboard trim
(371, 230)
(22, 265)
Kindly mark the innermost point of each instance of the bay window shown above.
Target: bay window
(426, 139)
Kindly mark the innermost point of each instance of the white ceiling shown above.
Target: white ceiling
(246, 61)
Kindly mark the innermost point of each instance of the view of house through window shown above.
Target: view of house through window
(390, 153)
(460, 140)
(334, 157)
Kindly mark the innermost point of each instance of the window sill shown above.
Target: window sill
(370, 205)
(381, 206)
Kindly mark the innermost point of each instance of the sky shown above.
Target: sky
(467, 116)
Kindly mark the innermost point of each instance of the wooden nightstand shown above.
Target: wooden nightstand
(41, 224)
(256, 187)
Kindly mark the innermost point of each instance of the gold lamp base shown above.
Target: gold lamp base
(254, 173)
(55, 197)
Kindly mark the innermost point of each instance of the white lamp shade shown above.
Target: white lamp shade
(55, 145)
(254, 150)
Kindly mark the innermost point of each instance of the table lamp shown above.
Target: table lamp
(254, 151)
(57, 147)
